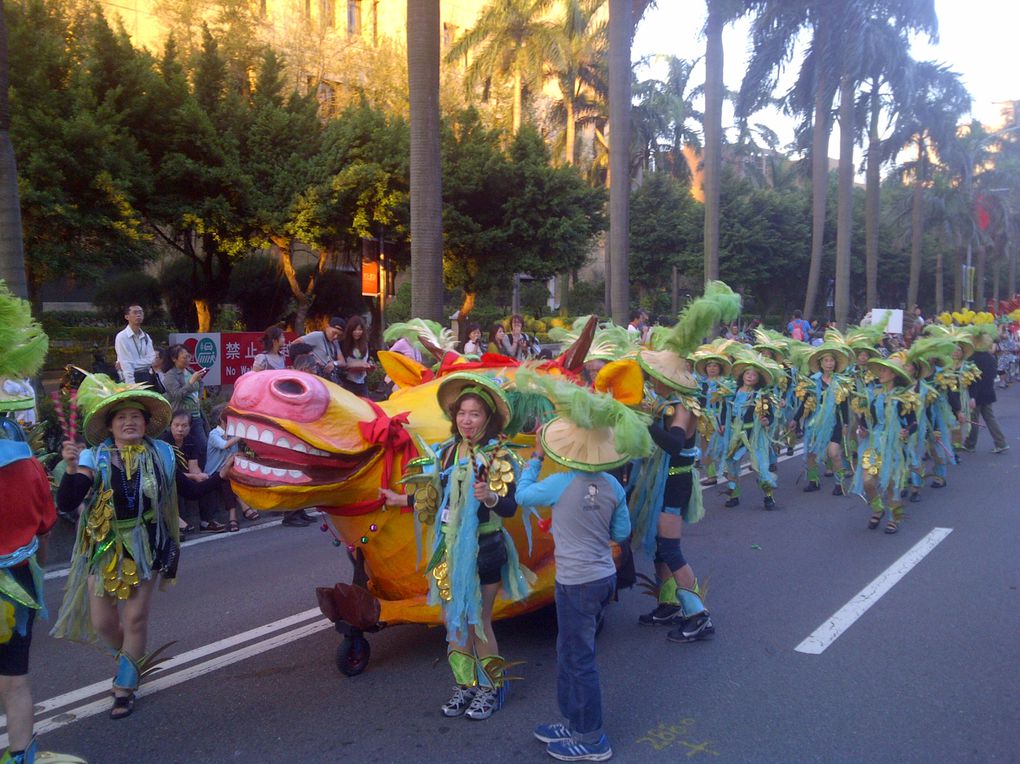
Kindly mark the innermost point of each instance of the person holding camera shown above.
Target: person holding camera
(325, 346)
(518, 344)
(184, 393)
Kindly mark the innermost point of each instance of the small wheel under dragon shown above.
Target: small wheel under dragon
(352, 655)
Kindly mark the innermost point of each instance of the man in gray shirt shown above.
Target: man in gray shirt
(589, 509)
(326, 346)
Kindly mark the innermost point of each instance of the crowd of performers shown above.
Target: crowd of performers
(625, 435)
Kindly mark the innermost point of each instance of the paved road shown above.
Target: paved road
(931, 672)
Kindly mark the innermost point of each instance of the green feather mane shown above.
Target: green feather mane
(23, 343)
(719, 304)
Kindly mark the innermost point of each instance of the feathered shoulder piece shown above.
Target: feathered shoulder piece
(422, 333)
(719, 304)
(925, 349)
(23, 343)
(591, 410)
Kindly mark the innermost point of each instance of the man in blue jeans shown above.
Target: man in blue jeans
(589, 508)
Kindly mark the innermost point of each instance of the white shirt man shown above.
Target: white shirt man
(135, 350)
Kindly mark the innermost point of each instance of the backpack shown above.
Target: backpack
(798, 331)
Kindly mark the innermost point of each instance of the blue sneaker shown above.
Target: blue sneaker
(550, 733)
(572, 750)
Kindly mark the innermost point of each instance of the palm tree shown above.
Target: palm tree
(665, 119)
(576, 46)
(936, 100)
(510, 39)
(720, 13)
(618, 286)
(12, 249)
(426, 184)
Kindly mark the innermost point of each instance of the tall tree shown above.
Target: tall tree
(620, 29)
(665, 119)
(510, 39)
(426, 185)
(12, 252)
(720, 13)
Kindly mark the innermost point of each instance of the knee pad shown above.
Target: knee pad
(668, 551)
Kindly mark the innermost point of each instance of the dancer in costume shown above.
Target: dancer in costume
(713, 369)
(127, 535)
(666, 490)
(592, 435)
(752, 412)
(921, 360)
(887, 419)
(956, 377)
(27, 516)
(772, 346)
(823, 405)
(465, 490)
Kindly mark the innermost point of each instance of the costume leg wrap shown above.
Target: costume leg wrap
(668, 550)
(813, 474)
(25, 757)
(492, 676)
(690, 602)
(127, 673)
(877, 507)
(732, 488)
(940, 470)
(667, 592)
(463, 667)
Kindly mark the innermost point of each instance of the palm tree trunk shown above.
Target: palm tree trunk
(1011, 246)
(819, 193)
(569, 135)
(979, 277)
(996, 267)
(619, 155)
(518, 104)
(845, 198)
(12, 247)
(426, 174)
(939, 282)
(958, 276)
(873, 182)
(916, 233)
(713, 136)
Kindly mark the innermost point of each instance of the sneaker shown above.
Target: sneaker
(696, 628)
(573, 750)
(967, 447)
(773, 468)
(709, 481)
(938, 483)
(789, 450)
(459, 701)
(664, 615)
(212, 527)
(915, 496)
(770, 503)
(813, 485)
(838, 490)
(483, 705)
(1000, 449)
(550, 733)
(733, 501)
(303, 514)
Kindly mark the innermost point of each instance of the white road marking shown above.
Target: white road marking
(178, 660)
(844, 618)
(164, 680)
(62, 572)
(745, 468)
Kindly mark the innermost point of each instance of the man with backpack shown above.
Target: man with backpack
(799, 328)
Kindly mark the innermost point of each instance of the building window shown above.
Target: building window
(353, 18)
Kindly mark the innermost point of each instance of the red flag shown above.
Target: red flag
(983, 218)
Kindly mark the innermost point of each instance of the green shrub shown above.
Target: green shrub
(260, 291)
(398, 309)
(587, 297)
(534, 298)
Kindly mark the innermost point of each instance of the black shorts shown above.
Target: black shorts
(837, 434)
(14, 654)
(491, 558)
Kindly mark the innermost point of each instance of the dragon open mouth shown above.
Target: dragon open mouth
(270, 456)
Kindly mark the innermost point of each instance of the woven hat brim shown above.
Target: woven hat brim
(841, 360)
(740, 366)
(667, 367)
(579, 449)
(725, 364)
(95, 428)
(452, 387)
(885, 364)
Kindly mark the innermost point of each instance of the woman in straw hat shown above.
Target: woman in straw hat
(713, 369)
(956, 377)
(465, 490)
(751, 415)
(887, 418)
(823, 403)
(922, 359)
(127, 535)
(666, 490)
(592, 435)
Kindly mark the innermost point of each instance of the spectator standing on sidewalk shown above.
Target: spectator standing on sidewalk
(982, 391)
(135, 349)
(184, 393)
(271, 356)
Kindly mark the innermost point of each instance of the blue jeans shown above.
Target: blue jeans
(578, 692)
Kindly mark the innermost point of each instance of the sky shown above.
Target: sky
(977, 38)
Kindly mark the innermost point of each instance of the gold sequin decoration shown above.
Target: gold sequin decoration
(501, 475)
(426, 503)
(871, 461)
(442, 575)
(118, 579)
(100, 518)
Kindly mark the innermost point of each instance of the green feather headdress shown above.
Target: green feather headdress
(589, 410)
(924, 350)
(23, 343)
(424, 335)
(610, 343)
(719, 304)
